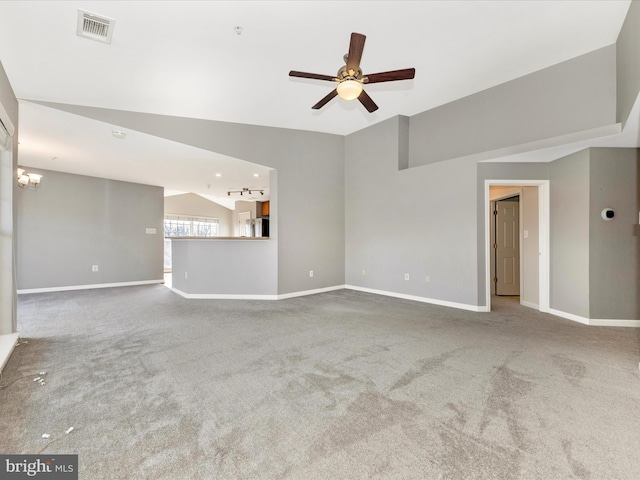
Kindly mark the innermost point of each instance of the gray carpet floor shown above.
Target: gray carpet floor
(342, 385)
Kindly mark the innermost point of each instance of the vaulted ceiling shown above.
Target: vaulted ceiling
(229, 61)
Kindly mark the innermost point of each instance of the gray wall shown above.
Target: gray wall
(225, 267)
(310, 218)
(72, 222)
(569, 249)
(421, 221)
(614, 246)
(570, 97)
(628, 62)
(190, 204)
(8, 216)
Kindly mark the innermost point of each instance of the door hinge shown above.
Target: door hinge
(495, 279)
(495, 245)
(495, 212)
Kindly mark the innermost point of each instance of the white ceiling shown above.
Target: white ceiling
(185, 58)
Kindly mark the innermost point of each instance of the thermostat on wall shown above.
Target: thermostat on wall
(608, 214)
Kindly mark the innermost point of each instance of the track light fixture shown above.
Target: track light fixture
(246, 190)
(26, 179)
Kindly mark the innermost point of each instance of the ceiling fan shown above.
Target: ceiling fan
(350, 78)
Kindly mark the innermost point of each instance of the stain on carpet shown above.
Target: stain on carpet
(573, 370)
(460, 414)
(368, 352)
(578, 468)
(370, 413)
(327, 382)
(465, 455)
(421, 368)
(507, 388)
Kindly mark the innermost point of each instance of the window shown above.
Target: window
(175, 226)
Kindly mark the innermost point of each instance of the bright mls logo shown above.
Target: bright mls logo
(50, 467)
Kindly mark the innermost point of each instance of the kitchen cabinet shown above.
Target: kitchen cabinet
(265, 209)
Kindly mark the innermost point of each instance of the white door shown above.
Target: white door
(507, 247)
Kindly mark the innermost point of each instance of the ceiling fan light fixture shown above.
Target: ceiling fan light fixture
(349, 89)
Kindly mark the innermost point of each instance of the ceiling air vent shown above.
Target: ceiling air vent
(94, 26)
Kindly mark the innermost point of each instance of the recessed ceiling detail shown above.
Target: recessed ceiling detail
(95, 27)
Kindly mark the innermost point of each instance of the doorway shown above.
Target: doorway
(532, 269)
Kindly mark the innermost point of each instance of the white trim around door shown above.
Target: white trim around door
(543, 230)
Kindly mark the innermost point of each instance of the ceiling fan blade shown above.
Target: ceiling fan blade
(356, 47)
(314, 76)
(405, 74)
(369, 104)
(326, 99)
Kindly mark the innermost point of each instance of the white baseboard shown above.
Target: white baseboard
(595, 322)
(88, 287)
(444, 303)
(610, 322)
(228, 296)
(310, 292)
(304, 293)
(568, 316)
(222, 296)
(7, 344)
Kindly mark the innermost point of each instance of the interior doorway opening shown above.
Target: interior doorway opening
(530, 236)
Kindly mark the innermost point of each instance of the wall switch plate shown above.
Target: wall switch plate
(406, 276)
(310, 273)
(364, 272)
(94, 268)
(427, 279)
(525, 233)
(185, 275)
(150, 231)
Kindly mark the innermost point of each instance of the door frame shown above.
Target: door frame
(543, 237)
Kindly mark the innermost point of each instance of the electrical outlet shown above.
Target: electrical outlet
(427, 279)
(94, 268)
(364, 272)
(310, 273)
(406, 276)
